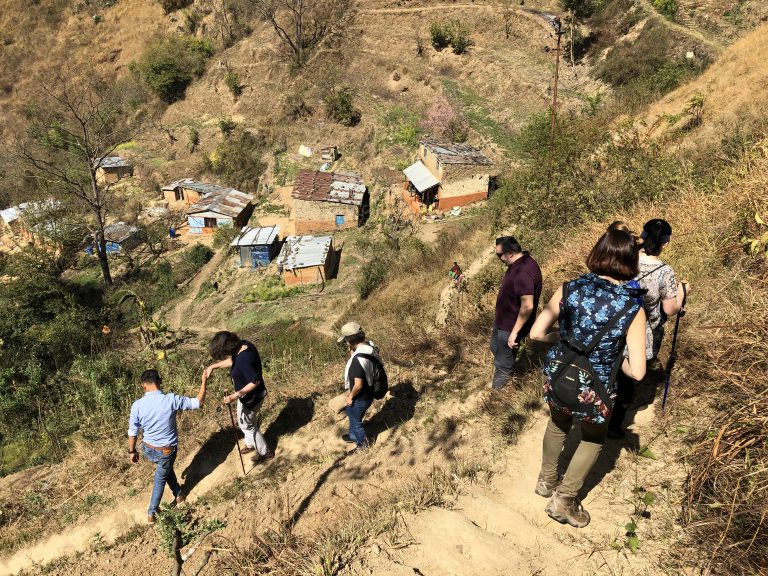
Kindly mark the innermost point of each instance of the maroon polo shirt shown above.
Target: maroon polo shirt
(522, 278)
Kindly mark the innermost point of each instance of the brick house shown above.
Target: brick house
(447, 175)
(113, 168)
(306, 260)
(327, 201)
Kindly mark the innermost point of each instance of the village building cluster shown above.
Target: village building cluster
(445, 175)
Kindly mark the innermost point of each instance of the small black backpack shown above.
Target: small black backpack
(380, 383)
(573, 380)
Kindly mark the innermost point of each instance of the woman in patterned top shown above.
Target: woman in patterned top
(664, 294)
(593, 300)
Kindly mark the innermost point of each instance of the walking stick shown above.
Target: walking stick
(237, 438)
(673, 352)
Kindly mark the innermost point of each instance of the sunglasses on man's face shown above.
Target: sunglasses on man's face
(500, 255)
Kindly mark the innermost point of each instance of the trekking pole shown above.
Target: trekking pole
(673, 351)
(237, 438)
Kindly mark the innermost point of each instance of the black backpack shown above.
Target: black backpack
(573, 380)
(380, 383)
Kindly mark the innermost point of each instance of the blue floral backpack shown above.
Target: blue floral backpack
(573, 383)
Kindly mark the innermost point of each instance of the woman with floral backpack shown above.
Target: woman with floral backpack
(597, 315)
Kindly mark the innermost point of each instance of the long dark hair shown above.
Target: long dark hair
(656, 233)
(224, 345)
(615, 255)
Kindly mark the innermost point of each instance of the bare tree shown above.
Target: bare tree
(301, 24)
(72, 127)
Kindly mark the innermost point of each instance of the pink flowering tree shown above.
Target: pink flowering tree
(444, 121)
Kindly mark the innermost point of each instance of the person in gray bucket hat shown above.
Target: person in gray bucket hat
(358, 375)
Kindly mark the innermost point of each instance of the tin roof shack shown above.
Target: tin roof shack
(119, 236)
(113, 168)
(257, 246)
(325, 201)
(306, 260)
(462, 171)
(228, 207)
(25, 221)
(188, 191)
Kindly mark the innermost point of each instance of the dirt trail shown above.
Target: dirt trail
(181, 308)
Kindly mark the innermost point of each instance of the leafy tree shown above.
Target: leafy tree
(340, 108)
(237, 160)
(72, 126)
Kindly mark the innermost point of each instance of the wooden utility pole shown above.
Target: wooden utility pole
(559, 33)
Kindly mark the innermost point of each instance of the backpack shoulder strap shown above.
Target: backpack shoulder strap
(651, 272)
(370, 358)
(608, 325)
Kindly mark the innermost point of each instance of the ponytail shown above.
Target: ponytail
(656, 233)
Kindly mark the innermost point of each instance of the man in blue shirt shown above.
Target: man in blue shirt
(155, 414)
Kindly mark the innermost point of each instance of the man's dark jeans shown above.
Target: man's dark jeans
(503, 358)
(163, 474)
(355, 413)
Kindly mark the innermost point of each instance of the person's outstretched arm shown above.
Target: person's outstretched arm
(634, 364)
(201, 393)
(542, 329)
(226, 363)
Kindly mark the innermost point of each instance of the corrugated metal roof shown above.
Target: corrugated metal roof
(114, 162)
(34, 208)
(119, 232)
(201, 187)
(456, 153)
(228, 202)
(420, 176)
(340, 187)
(256, 236)
(304, 251)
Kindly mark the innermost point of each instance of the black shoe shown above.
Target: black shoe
(616, 434)
(259, 458)
(347, 438)
(359, 449)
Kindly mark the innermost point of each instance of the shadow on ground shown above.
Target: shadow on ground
(211, 454)
(295, 414)
(397, 410)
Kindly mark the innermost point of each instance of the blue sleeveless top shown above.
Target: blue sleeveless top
(592, 302)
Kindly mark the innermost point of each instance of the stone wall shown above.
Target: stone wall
(314, 216)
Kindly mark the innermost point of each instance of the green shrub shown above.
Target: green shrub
(373, 274)
(238, 160)
(340, 108)
(460, 40)
(642, 58)
(223, 236)
(440, 35)
(270, 289)
(232, 80)
(198, 256)
(454, 33)
(402, 126)
(173, 5)
(227, 126)
(170, 64)
(667, 8)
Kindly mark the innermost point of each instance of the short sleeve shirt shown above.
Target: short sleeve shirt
(661, 284)
(522, 278)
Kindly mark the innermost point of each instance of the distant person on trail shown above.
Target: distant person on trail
(516, 307)
(245, 363)
(597, 314)
(155, 414)
(358, 378)
(663, 297)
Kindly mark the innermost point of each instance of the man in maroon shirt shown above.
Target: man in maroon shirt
(516, 306)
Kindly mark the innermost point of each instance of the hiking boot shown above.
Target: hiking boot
(359, 449)
(259, 458)
(544, 488)
(151, 520)
(180, 499)
(567, 510)
(347, 438)
(247, 449)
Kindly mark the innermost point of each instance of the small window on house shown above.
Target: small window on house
(211, 223)
(179, 195)
(339, 219)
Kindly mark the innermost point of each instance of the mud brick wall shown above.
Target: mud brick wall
(314, 216)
